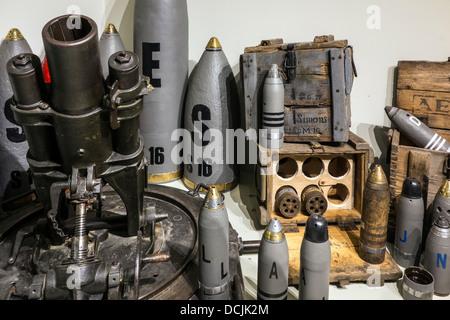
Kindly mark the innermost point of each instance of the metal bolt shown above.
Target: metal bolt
(22, 60)
(123, 57)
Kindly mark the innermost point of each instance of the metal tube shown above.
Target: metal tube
(74, 63)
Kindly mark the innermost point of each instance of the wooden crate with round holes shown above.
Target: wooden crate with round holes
(338, 170)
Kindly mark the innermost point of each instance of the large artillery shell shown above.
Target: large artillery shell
(110, 42)
(210, 111)
(439, 208)
(161, 42)
(315, 260)
(273, 263)
(416, 130)
(374, 217)
(213, 245)
(409, 224)
(13, 144)
(437, 251)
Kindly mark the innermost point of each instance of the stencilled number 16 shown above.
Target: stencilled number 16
(156, 155)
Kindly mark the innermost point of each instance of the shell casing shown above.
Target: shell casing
(273, 263)
(211, 112)
(313, 200)
(14, 145)
(437, 251)
(213, 255)
(409, 224)
(287, 202)
(161, 40)
(419, 133)
(272, 136)
(315, 260)
(374, 217)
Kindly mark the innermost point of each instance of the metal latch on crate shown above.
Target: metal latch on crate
(315, 146)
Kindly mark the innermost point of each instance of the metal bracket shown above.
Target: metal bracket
(117, 98)
(315, 146)
(341, 116)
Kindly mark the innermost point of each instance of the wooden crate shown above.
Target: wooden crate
(407, 160)
(423, 89)
(317, 101)
(346, 265)
(343, 218)
(316, 164)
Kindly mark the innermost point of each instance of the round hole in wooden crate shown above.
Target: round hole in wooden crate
(338, 167)
(338, 193)
(287, 168)
(312, 167)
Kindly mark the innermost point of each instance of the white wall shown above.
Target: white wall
(382, 32)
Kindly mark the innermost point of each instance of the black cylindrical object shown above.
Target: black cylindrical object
(27, 81)
(418, 284)
(82, 131)
(73, 58)
(124, 68)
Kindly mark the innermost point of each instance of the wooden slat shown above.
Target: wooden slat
(431, 107)
(399, 167)
(419, 167)
(346, 264)
(424, 75)
(308, 90)
(297, 46)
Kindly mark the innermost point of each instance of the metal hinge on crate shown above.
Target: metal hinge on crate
(315, 146)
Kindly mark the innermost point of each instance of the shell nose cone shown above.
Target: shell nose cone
(274, 225)
(213, 44)
(273, 72)
(316, 228)
(14, 34)
(444, 190)
(411, 188)
(110, 29)
(377, 175)
(390, 111)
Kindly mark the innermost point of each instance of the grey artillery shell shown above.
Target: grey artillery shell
(437, 252)
(315, 260)
(210, 111)
(110, 42)
(439, 208)
(441, 202)
(409, 224)
(272, 135)
(13, 144)
(161, 42)
(416, 130)
(213, 244)
(273, 263)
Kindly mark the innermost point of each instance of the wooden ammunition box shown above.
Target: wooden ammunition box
(423, 89)
(340, 171)
(407, 160)
(317, 99)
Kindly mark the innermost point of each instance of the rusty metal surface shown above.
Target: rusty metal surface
(164, 279)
